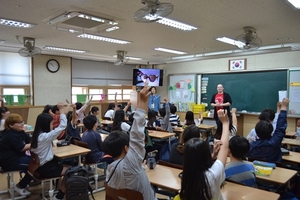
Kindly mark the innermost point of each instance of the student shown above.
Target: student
(4, 112)
(152, 121)
(174, 119)
(176, 155)
(164, 119)
(80, 109)
(14, 142)
(267, 147)
(189, 119)
(95, 111)
(154, 100)
(201, 177)
(110, 112)
(56, 118)
(127, 171)
(238, 170)
(232, 126)
(94, 141)
(41, 144)
(119, 122)
(266, 114)
(72, 128)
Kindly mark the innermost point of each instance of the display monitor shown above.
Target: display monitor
(154, 77)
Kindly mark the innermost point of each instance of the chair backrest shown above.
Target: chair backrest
(117, 194)
(81, 144)
(150, 128)
(33, 165)
(169, 164)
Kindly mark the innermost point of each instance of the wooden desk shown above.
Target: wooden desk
(293, 157)
(290, 134)
(206, 126)
(290, 142)
(106, 122)
(167, 177)
(69, 151)
(103, 136)
(178, 130)
(160, 135)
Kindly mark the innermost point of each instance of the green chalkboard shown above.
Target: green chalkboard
(250, 91)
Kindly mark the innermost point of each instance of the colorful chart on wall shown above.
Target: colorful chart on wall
(294, 92)
(182, 88)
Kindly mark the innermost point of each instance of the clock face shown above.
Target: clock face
(53, 65)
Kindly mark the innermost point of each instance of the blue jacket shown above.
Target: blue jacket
(269, 149)
(154, 102)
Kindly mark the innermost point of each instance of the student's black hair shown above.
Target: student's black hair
(78, 105)
(270, 112)
(197, 160)
(47, 108)
(151, 88)
(173, 109)
(264, 129)
(118, 119)
(151, 118)
(42, 125)
(54, 109)
(162, 112)
(93, 110)
(264, 116)
(188, 133)
(219, 130)
(110, 107)
(239, 146)
(130, 118)
(189, 118)
(3, 110)
(90, 121)
(114, 143)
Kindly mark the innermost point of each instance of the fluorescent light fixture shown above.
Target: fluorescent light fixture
(63, 49)
(112, 28)
(169, 50)
(171, 23)
(14, 23)
(231, 41)
(104, 39)
(294, 3)
(183, 57)
(128, 57)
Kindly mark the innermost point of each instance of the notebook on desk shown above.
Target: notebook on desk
(285, 151)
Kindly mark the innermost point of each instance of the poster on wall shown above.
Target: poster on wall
(182, 88)
(294, 92)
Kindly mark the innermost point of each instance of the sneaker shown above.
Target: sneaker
(22, 191)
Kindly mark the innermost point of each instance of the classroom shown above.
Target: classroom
(55, 69)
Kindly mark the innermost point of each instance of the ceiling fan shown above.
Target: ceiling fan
(153, 11)
(30, 50)
(249, 40)
(121, 59)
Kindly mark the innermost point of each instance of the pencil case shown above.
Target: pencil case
(264, 164)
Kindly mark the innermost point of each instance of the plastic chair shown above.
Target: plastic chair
(124, 194)
(10, 185)
(95, 165)
(33, 165)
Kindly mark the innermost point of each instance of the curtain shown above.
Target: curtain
(81, 98)
(21, 99)
(9, 99)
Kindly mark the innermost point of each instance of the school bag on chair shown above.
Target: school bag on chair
(77, 184)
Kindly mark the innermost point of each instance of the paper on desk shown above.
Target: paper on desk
(282, 94)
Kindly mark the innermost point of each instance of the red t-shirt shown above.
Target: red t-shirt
(219, 98)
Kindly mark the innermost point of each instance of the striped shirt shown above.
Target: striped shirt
(174, 119)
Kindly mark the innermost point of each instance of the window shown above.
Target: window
(111, 94)
(15, 92)
(97, 94)
(126, 94)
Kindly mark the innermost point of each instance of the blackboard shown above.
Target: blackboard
(250, 91)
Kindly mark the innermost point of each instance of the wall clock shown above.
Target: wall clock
(52, 65)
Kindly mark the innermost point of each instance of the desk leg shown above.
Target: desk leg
(79, 160)
(169, 140)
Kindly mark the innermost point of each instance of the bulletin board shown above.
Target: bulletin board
(294, 91)
(182, 88)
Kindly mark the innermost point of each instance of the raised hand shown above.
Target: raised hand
(222, 114)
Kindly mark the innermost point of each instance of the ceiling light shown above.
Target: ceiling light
(128, 57)
(170, 22)
(112, 28)
(14, 23)
(294, 3)
(64, 49)
(104, 39)
(169, 50)
(231, 41)
(183, 57)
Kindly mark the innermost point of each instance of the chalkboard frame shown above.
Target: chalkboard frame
(251, 100)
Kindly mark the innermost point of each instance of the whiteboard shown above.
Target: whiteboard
(182, 88)
(294, 92)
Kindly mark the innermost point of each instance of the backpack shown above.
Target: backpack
(77, 184)
(165, 151)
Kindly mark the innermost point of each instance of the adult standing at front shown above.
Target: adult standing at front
(220, 100)
(154, 100)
